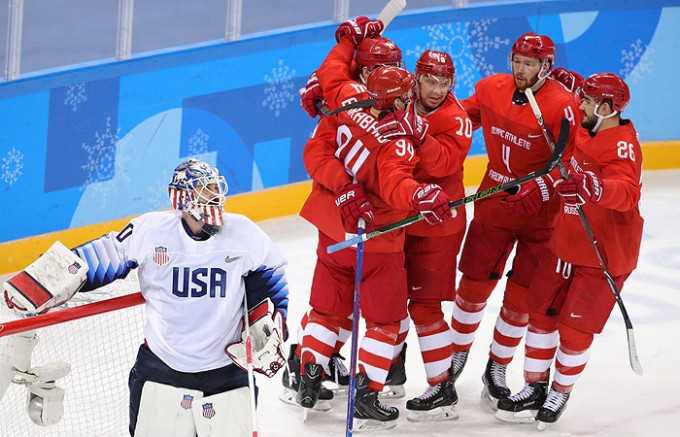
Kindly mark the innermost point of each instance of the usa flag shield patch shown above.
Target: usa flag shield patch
(160, 255)
(208, 410)
(186, 402)
(73, 268)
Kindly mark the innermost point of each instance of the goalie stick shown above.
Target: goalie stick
(632, 347)
(554, 160)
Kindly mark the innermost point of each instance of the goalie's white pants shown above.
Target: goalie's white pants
(179, 412)
(149, 368)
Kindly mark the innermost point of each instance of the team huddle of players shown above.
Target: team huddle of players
(404, 155)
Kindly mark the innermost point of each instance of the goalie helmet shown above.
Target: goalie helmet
(198, 189)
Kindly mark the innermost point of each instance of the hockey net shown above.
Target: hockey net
(101, 350)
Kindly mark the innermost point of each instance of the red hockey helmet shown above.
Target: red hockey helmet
(372, 52)
(386, 84)
(536, 46)
(607, 87)
(436, 63)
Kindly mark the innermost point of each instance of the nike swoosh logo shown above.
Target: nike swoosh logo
(535, 136)
(229, 259)
(576, 316)
(415, 288)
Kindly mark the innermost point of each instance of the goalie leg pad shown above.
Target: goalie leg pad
(226, 413)
(165, 410)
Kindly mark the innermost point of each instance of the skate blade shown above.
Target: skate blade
(437, 415)
(288, 397)
(526, 416)
(489, 401)
(392, 392)
(368, 425)
(542, 426)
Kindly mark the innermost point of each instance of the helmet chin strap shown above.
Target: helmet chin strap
(543, 74)
(600, 117)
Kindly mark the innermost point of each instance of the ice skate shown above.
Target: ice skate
(438, 403)
(495, 387)
(552, 409)
(369, 413)
(522, 407)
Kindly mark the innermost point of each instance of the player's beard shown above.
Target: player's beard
(589, 122)
(524, 83)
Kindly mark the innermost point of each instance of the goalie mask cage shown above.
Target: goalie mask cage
(101, 351)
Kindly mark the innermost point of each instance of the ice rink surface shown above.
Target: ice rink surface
(609, 399)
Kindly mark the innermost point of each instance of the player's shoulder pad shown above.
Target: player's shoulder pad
(240, 227)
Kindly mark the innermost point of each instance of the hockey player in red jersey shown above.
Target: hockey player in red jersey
(341, 78)
(431, 251)
(571, 299)
(360, 173)
(515, 146)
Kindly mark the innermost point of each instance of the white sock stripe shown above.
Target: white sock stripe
(461, 339)
(344, 335)
(404, 325)
(502, 351)
(536, 365)
(435, 341)
(566, 380)
(569, 360)
(547, 340)
(509, 330)
(436, 368)
(375, 374)
(466, 317)
(321, 333)
(379, 348)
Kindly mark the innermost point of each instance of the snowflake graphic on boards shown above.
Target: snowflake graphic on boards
(468, 42)
(198, 142)
(75, 95)
(279, 92)
(636, 61)
(12, 166)
(101, 155)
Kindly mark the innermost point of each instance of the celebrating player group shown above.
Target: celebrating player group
(575, 227)
(561, 187)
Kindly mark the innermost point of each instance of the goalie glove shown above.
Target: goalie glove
(266, 334)
(47, 282)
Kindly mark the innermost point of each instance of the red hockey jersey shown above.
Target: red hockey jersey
(615, 156)
(441, 161)
(514, 142)
(348, 147)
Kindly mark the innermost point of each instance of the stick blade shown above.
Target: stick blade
(632, 353)
(391, 10)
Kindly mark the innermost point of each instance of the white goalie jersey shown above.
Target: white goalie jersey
(193, 289)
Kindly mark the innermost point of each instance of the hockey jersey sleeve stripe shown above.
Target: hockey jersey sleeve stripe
(268, 282)
(104, 262)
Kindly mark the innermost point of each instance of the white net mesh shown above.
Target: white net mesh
(101, 350)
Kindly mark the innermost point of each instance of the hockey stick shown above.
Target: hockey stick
(390, 12)
(554, 160)
(632, 348)
(356, 300)
(358, 104)
(67, 314)
(249, 366)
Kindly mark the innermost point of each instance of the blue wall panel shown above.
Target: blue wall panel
(98, 142)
